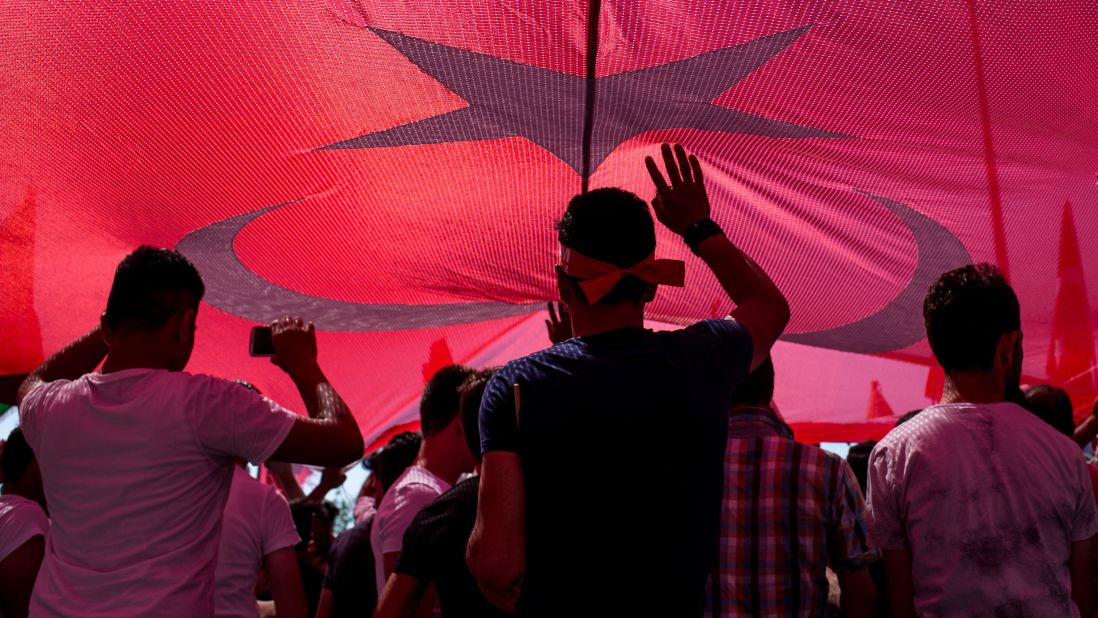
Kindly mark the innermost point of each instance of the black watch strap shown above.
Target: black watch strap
(698, 231)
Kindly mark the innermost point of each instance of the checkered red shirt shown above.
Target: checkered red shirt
(789, 510)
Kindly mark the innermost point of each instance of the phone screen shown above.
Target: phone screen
(261, 343)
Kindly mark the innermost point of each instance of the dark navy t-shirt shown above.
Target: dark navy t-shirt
(622, 436)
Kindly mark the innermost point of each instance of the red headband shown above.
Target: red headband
(598, 278)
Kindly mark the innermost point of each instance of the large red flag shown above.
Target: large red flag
(393, 170)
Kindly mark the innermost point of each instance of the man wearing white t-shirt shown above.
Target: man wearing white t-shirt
(257, 533)
(23, 525)
(979, 507)
(138, 458)
(443, 457)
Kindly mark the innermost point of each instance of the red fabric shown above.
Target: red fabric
(130, 123)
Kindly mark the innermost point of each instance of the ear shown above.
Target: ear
(184, 328)
(564, 286)
(105, 329)
(1010, 345)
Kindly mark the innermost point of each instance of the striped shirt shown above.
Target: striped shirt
(789, 511)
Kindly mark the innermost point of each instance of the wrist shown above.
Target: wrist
(699, 231)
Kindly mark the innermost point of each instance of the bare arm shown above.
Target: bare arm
(285, 583)
(324, 606)
(1081, 574)
(72, 361)
(18, 572)
(901, 590)
(330, 436)
(760, 306)
(859, 596)
(401, 597)
(497, 547)
(1088, 429)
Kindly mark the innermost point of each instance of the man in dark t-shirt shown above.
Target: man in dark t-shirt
(602, 456)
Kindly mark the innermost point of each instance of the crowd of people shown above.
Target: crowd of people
(619, 472)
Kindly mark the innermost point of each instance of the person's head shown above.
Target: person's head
(1053, 406)
(613, 226)
(155, 294)
(907, 417)
(858, 458)
(471, 393)
(758, 388)
(394, 458)
(440, 404)
(19, 468)
(974, 325)
(313, 521)
(371, 488)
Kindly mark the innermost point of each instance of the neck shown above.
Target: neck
(440, 461)
(749, 406)
(135, 353)
(973, 387)
(595, 319)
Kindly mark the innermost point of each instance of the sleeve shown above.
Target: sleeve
(415, 551)
(278, 525)
(1085, 522)
(23, 523)
(231, 420)
(848, 539)
(498, 422)
(715, 353)
(35, 407)
(886, 526)
(410, 499)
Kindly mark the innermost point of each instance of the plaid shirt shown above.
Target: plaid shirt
(789, 510)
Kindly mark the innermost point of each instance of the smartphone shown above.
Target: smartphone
(261, 343)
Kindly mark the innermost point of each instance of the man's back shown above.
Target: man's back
(621, 441)
(988, 499)
(257, 523)
(789, 510)
(137, 467)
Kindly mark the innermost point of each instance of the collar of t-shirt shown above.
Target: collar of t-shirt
(757, 422)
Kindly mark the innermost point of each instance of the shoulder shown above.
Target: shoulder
(713, 328)
(18, 513)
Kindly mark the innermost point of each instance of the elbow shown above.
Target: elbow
(494, 571)
(350, 448)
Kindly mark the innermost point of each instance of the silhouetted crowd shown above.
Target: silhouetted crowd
(620, 472)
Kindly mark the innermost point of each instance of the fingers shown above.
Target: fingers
(697, 169)
(684, 163)
(553, 312)
(669, 162)
(657, 176)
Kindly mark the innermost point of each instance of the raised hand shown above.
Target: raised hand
(684, 201)
(559, 323)
(294, 343)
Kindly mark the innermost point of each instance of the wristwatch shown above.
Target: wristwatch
(698, 231)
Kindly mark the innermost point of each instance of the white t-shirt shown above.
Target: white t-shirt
(20, 521)
(988, 498)
(137, 467)
(257, 523)
(410, 493)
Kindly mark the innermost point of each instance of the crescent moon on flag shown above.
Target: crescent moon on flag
(235, 289)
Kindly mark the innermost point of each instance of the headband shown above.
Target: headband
(597, 278)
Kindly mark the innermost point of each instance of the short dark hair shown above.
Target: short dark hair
(858, 458)
(908, 416)
(1053, 406)
(472, 391)
(150, 286)
(966, 311)
(16, 458)
(395, 457)
(614, 226)
(302, 511)
(757, 387)
(441, 401)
